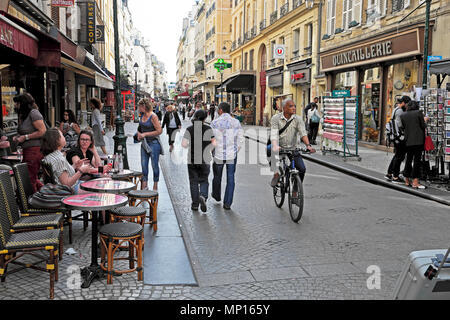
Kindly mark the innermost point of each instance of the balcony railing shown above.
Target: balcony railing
(398, 5)
(262, 25)
(273, 17)
(253, 32)
(284, 9)
(296, 4)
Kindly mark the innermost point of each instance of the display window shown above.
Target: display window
(346, 81)
(8, 92)
(371, 105)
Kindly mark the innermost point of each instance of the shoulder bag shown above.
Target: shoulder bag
(269, 141)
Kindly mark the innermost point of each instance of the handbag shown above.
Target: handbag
(50, 196)
(315, 119)
(429, 145)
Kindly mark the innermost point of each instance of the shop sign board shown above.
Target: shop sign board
(301, 76)
(341, 93)
(383, 48)
(91, 22)
(63, 3)
(433, 58)
(100, 33)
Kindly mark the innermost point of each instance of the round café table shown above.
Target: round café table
(107, 185)
(124, 174)
(13, 158)
(94, 202)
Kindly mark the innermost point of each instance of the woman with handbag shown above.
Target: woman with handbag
(314, 121)
(414, 126)
(148, 133)
(97, 127)
(31, 129)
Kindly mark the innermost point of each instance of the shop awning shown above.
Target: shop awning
(102, 80)
(77, 68)
(31, 42)
(240, 83)
(440, 67)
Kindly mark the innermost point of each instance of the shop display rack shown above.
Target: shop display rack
(340, 126)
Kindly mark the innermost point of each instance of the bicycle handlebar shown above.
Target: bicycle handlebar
(289, 151)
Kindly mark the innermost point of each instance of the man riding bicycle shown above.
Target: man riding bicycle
(286, 128)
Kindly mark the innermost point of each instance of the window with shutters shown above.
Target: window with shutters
(357, 11)
(309, 38)
(347, 14)
(375, 10)
(296, 42)
(331, 16)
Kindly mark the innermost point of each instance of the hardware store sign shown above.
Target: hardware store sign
(370, 52)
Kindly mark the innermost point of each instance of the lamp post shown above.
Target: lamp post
(120, 139)
(425, 46)
(136, 69)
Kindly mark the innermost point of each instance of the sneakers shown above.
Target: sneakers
(397, 180)
(226, 207)
(194, 207)
(388, 177)
(202, 203)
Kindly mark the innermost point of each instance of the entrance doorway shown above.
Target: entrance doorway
(371, 105)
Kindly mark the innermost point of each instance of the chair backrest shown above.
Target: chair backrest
(5, 225)
(23, 182)
(11, 205)
(48, 172)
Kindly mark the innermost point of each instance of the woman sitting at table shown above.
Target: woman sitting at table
(52, 143)
(85, 149)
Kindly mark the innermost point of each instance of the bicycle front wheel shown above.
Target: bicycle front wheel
(296, 198)
(279, 194)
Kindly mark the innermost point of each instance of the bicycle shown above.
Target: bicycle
(290, 183)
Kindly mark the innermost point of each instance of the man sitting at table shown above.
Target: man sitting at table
(85, 149)
(53, 142)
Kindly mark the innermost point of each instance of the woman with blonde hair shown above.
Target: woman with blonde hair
(148, 132)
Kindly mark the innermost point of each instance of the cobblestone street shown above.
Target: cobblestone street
(255, 251)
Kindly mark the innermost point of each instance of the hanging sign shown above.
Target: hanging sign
(279, 51)
(63, 3)
(91, 34)
(100, 33)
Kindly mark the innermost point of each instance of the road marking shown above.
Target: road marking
(320, 176)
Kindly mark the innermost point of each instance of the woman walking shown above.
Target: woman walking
(70, 128)
(414, 126)
(314, 121)
(172, 123)
(31, 129)
(97, 127)
(148, 132)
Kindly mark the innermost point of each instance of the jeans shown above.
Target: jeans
(400, 153)
(300, 166)
(154, 156)
(414, 153)
(172, 133)
(217, 180)
(198, 175)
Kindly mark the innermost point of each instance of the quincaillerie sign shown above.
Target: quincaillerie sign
(382, 48)
(370, 52)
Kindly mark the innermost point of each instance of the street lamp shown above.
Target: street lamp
(120, 139)
(136, 69)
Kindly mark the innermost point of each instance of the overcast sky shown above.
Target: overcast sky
(160, 22)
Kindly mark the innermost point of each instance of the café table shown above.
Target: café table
(108, 185)
(94, 202)
(13, 158)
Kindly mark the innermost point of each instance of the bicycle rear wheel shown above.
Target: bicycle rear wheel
(278, 193)
(295, 198)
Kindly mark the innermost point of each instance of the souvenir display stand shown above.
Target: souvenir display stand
(340, 126)
(435, 104)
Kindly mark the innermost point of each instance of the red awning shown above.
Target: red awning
(185, 94)
(15, 37)
(48, 48)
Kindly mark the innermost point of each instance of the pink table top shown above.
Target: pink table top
(95, 201)
(12, 158)
(11, 172)
(107, 185)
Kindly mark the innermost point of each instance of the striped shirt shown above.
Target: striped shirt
(59, 164)
(290, 138)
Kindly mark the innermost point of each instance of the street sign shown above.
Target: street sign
(341, 93)
(433, 58)
(279, 51)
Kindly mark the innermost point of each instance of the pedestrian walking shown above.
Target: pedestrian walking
(414, 125)
(398, 138)
(305, 111)
(198, 106)
(212, 111)
(183, 112)
(314, 121)
(158, 111)
(149, 131)
(198, 138)
(229, 137)
(70, 128)
(172, 123)
(97, 127)
(31, 128)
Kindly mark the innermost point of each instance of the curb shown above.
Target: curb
(369, 178)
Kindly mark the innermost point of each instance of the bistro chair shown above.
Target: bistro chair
(29, 223)
(25, 191)
(137, 197)
(14, 246)
(112, 238)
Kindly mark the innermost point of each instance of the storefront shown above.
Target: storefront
(29, 61)
(275, 84)
(300, 80)
(378, 71)
(241, 92)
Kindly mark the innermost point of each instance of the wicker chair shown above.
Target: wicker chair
(137, 197)
(112, 236)
(16, 245)
(25, 191)
(29, 223)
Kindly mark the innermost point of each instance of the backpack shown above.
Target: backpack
(394, 134)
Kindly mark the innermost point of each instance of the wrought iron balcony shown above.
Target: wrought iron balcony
(284, 9)
(397, 5)
(262, 25)
(273, 17)
(296, 4)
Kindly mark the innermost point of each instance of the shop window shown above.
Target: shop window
(371, 105)
(8, 92)
(346, 81)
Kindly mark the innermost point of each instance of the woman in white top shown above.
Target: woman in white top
(314, 121)
(97, 127)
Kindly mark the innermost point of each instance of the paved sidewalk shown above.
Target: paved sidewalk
(372, 167)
